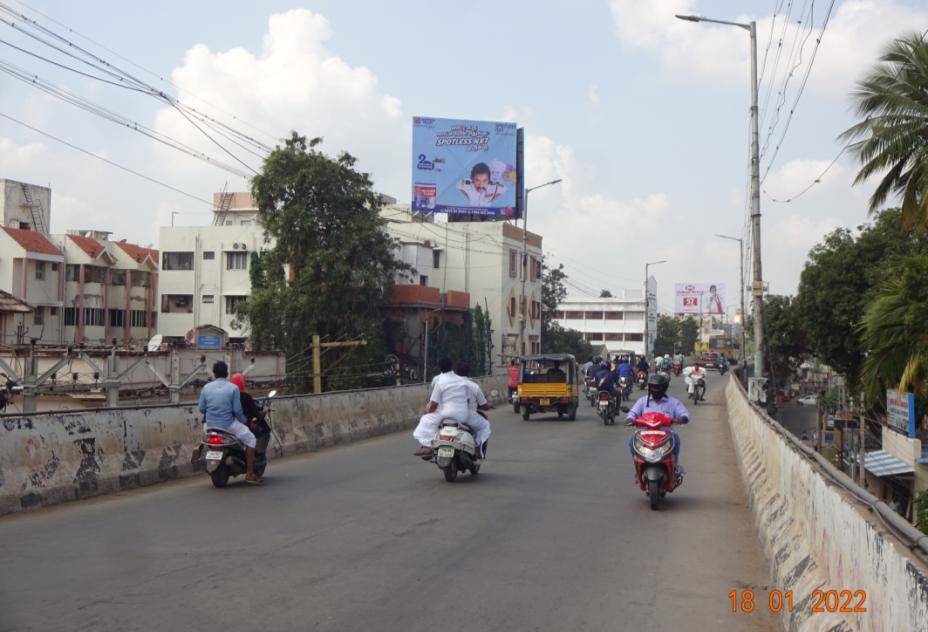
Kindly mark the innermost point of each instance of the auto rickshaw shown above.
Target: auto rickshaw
(548, 382)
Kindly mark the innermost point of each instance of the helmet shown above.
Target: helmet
(667, 355)
(657, 385)
(239, 380)
(603, 365)
(597, 360)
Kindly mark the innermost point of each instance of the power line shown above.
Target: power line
(776, 62)
(109, 162)
(817, 180)
(778, 5)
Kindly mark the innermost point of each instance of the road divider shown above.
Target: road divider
(53, 457)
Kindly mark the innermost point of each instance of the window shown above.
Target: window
(52, 311)
(594, 315)
(613, 337)
(634, 337)
(93, 317)
(117, 317)
(153, 319)
(573, 315)
(534, 273)
(38, 316)
(176, 303)
(72, 272)
(39, 276)
(70, 316)
(208, 298)
(94, 274)
(614, 315)
(54, 267)
(118, 277)
(634, 315)
(138, 318)
(536, 309)
(177, 261)
(236, 261)
(513, 263)
(246, 222)
(423, 279)
(436, 259)
(232, 302)
(208, 255)
(537, 268)
(593, 336)
(141, 278)
(559, 315)
(512, 306)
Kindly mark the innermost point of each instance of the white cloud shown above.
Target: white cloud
(856, 32)
(14, 156)
(295, 82)
(592, 95)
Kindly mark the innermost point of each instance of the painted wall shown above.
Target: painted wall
(819, 536)
(47, 458)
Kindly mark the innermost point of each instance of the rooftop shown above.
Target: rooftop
(32, 241)
(91, 246)
(139, 253)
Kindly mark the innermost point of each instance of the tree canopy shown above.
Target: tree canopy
(554, 338)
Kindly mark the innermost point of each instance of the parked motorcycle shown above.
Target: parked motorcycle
(697, 390)
(606, 405)
(454, 449)
(225, 454)
(655, 464)
(642, 380)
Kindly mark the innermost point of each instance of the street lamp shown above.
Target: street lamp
(647, 302)
(741, 286)
(757, 287)
(525, 259)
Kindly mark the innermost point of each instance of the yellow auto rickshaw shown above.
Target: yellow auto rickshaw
(548, 382)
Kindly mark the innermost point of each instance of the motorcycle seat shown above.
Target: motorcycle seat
(451, 423)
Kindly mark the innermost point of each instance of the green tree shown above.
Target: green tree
(605, 294)
(895, 331)
(786, 341)
(893, 101)
(689, 334)
(322, 216)
(561, 340)
(554, 338)
(667, 339)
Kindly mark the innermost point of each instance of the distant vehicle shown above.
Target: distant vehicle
(807, 400)
(710, 360)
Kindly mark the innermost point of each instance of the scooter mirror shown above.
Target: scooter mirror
(271, 394)
(624, 409)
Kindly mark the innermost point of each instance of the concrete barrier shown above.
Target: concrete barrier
(819, 536)
(47, 458)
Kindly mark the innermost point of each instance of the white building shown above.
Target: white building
(204, 269)
(618, 323)
(481, 259)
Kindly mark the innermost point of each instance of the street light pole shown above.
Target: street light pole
(647, 302)
(741, 286)
(757, 287)
(522, 305)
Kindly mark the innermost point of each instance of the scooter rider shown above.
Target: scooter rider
(643, 365)
(600, 373)
(657, 400)
(448, 401)
(221, 404)
(692, 375)
(476, 401)
(624, 369)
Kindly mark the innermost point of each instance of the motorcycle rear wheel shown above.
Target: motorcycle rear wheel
(654, 494)
(220, 476)
(451, 471)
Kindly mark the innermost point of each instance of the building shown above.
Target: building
(482, 261)
(82, 287)
(618, 323)
(204, 269)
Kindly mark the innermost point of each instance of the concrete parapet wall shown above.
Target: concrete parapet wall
(47, 458)
(819, 536)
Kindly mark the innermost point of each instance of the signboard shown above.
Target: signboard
(695, 299)
(900, 412)
(209, 342)
(464, 167)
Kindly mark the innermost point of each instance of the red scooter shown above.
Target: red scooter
(655, 464)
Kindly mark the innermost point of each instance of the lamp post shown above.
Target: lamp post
(647, 302)
(741, 286)
(525, 261)
(757, 287)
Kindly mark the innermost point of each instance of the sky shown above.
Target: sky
(644, 117)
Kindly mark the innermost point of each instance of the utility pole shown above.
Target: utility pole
(757, 287)
(317, 357)
(647, 303)
(523, 316)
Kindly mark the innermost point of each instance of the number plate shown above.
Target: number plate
(446, 452)
(214, 456)
(544, 402)
(603, 404)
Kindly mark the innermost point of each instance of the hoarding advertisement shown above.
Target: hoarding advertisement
(694, 299)
(900, 412)
(463, 167)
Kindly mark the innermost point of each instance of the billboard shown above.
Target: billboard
(695, 299)
(464, 167)
(900, 412)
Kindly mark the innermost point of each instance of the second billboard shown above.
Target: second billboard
(464, 167)
(707, 299)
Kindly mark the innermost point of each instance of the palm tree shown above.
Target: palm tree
(894, 331)
(892, 140)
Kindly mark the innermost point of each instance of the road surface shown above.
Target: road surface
(552, 535)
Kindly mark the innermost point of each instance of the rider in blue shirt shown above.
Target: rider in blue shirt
(657, 400)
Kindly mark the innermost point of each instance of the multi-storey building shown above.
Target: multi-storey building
(618, 323)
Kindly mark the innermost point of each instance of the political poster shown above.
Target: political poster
(464, 167)
(699, 299)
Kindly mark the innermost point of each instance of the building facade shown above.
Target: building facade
(616, 323)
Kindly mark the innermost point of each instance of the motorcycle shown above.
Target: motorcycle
(514, 399)
(591, 391)
(677, 367)
(454, 449)
(655, 464)
(697, 390)
(642, 380)
(723, 368)
(225, 454)
(625, 387)
(606, 407)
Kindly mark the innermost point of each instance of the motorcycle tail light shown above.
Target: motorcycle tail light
(604, 397)
(214, 439)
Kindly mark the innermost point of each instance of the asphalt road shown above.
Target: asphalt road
(552, 535)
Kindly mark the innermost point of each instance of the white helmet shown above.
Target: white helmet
(667, 355)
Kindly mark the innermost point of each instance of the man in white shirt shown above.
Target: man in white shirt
(692, 375)
(450, 400)
(476, 401)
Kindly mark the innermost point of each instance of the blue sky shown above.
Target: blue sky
(645, 117)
